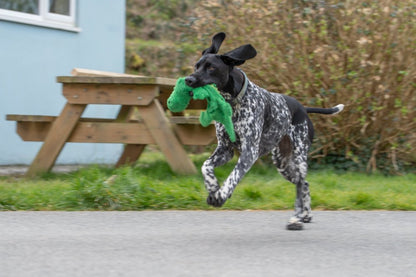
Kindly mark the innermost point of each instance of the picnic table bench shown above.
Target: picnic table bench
(142, 119)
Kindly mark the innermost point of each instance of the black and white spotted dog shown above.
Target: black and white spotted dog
(264, 122)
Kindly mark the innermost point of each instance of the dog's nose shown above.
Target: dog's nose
(190, 80)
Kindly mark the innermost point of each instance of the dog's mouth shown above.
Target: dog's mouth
(194, 82)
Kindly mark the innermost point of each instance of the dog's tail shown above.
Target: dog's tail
(333, 110)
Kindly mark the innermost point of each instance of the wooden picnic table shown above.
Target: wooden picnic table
(142, 119)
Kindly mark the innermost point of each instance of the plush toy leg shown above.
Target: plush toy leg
(205, 119)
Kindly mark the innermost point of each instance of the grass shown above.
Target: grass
(152, 185)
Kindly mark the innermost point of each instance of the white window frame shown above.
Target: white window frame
(44, 18)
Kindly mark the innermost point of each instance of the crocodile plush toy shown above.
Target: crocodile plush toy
(217, 108)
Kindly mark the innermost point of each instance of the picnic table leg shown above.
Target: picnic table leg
(154, 117)
(55, 140)
(125, 113)
(131, 152)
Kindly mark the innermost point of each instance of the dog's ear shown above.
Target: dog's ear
(239, 55)
(215, 45)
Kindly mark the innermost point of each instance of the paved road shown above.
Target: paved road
(206, 243)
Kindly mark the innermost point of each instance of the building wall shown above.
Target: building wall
(30, 59)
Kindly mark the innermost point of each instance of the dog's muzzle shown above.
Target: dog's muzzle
(190, 81)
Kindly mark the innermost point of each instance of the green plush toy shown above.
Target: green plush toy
(217, 108)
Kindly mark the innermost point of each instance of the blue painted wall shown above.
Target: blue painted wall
(30, 59)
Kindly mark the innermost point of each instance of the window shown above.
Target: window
(59, 14)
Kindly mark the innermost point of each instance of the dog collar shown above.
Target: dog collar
(242, 91)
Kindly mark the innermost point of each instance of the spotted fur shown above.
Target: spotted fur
(264, 123)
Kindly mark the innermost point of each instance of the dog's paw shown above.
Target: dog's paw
(215, 199)
(307, 218)
(295, 224)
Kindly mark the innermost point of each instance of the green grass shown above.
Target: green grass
(152, 185)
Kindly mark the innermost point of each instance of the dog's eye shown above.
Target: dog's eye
(211, 68)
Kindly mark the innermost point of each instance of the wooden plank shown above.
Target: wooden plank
(195, 134)
(109, 132)
(137, 80)
(129, 133)
(184, 120)
(43, 118)
(106, 80)
(158, 125)
(92, 132)
(33, 131)
(110, 94)
(32, 118)
(135, 133)
(167, 82)
(188, 130)
(125, 113)
(91, 72)
(166, 85)
(55, 140)
(131, 154)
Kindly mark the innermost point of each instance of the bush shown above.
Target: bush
(360, 53)
(154, 44)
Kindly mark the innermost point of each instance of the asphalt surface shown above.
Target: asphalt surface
(206, 243)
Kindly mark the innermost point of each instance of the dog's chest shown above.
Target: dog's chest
(261, 117)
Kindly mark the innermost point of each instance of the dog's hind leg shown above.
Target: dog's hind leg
(291, 161)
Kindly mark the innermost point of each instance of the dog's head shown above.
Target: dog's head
(216, 69)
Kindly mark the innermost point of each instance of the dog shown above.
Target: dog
(264, 122)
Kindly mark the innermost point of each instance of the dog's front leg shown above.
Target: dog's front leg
(222, 154)
(245, 162)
